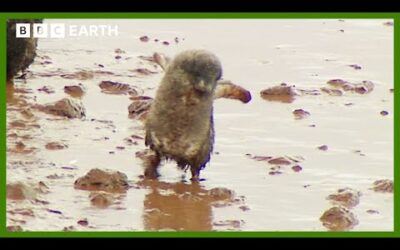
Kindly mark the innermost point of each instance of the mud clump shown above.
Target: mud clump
(361, 88)
(389, 23)
(279, 161)
(139, 108)
(332, 92)
(297, 168)
(46, 89)
(371, 211)
(117, 88)
(355, 66)
(282, 93)
(22, 211)
(229, 223)
(80, 75)
(14, 228)
(338, 219)
(75, 90)
(337, 83)
(119, 51)
(144, 39)
(103, 180)
(277, 164)
(27, 113)
(300, 114)
(101, 199)
(384, 113)
(69, 229)
(55, 146)
(21, 148)
(143, 71)
(17, 124)
(345, 197)
(221, 194)
(83, 222)
(144, 154)
(22, 191)
(259, 158)
(323, 147)
(383, 186)
(65, 107)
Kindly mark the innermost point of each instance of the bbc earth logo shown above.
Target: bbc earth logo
(59, 30)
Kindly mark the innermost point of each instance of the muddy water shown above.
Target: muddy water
(255, 54)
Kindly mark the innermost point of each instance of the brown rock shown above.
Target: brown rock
(364, 87)
(244, 208)
(371, 211)
(80, 75)
(14, 228)
(143, 71)
(275, 172)
(300, 114)
(279, 161)
(337, 83)
(260, 158)
(282, 93)
(332, 92)
(383, 186)
(144, 39)
(46, 89)
(361, 88)
(110, 87)
(355, 66)
(66, 107)
(388, 23)
(27, 113)
(83, 222)
(297, 168)
(139, 108)
(229, 223)
(21, 191)
(119, 51)
(17, 124)
(323, 147)
(384, 113)
(69, 229)
(346, 197)
(102, 180)
(55, 146)
(74, 90)
(22, 211)
(338, 219)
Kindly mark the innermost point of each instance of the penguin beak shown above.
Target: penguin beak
(203, 86)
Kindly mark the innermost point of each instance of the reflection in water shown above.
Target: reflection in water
(279, 98)
(177, 206)
(10, 91)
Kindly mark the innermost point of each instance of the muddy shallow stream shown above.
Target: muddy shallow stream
(255, 54)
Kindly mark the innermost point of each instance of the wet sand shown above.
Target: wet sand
(256, 54)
